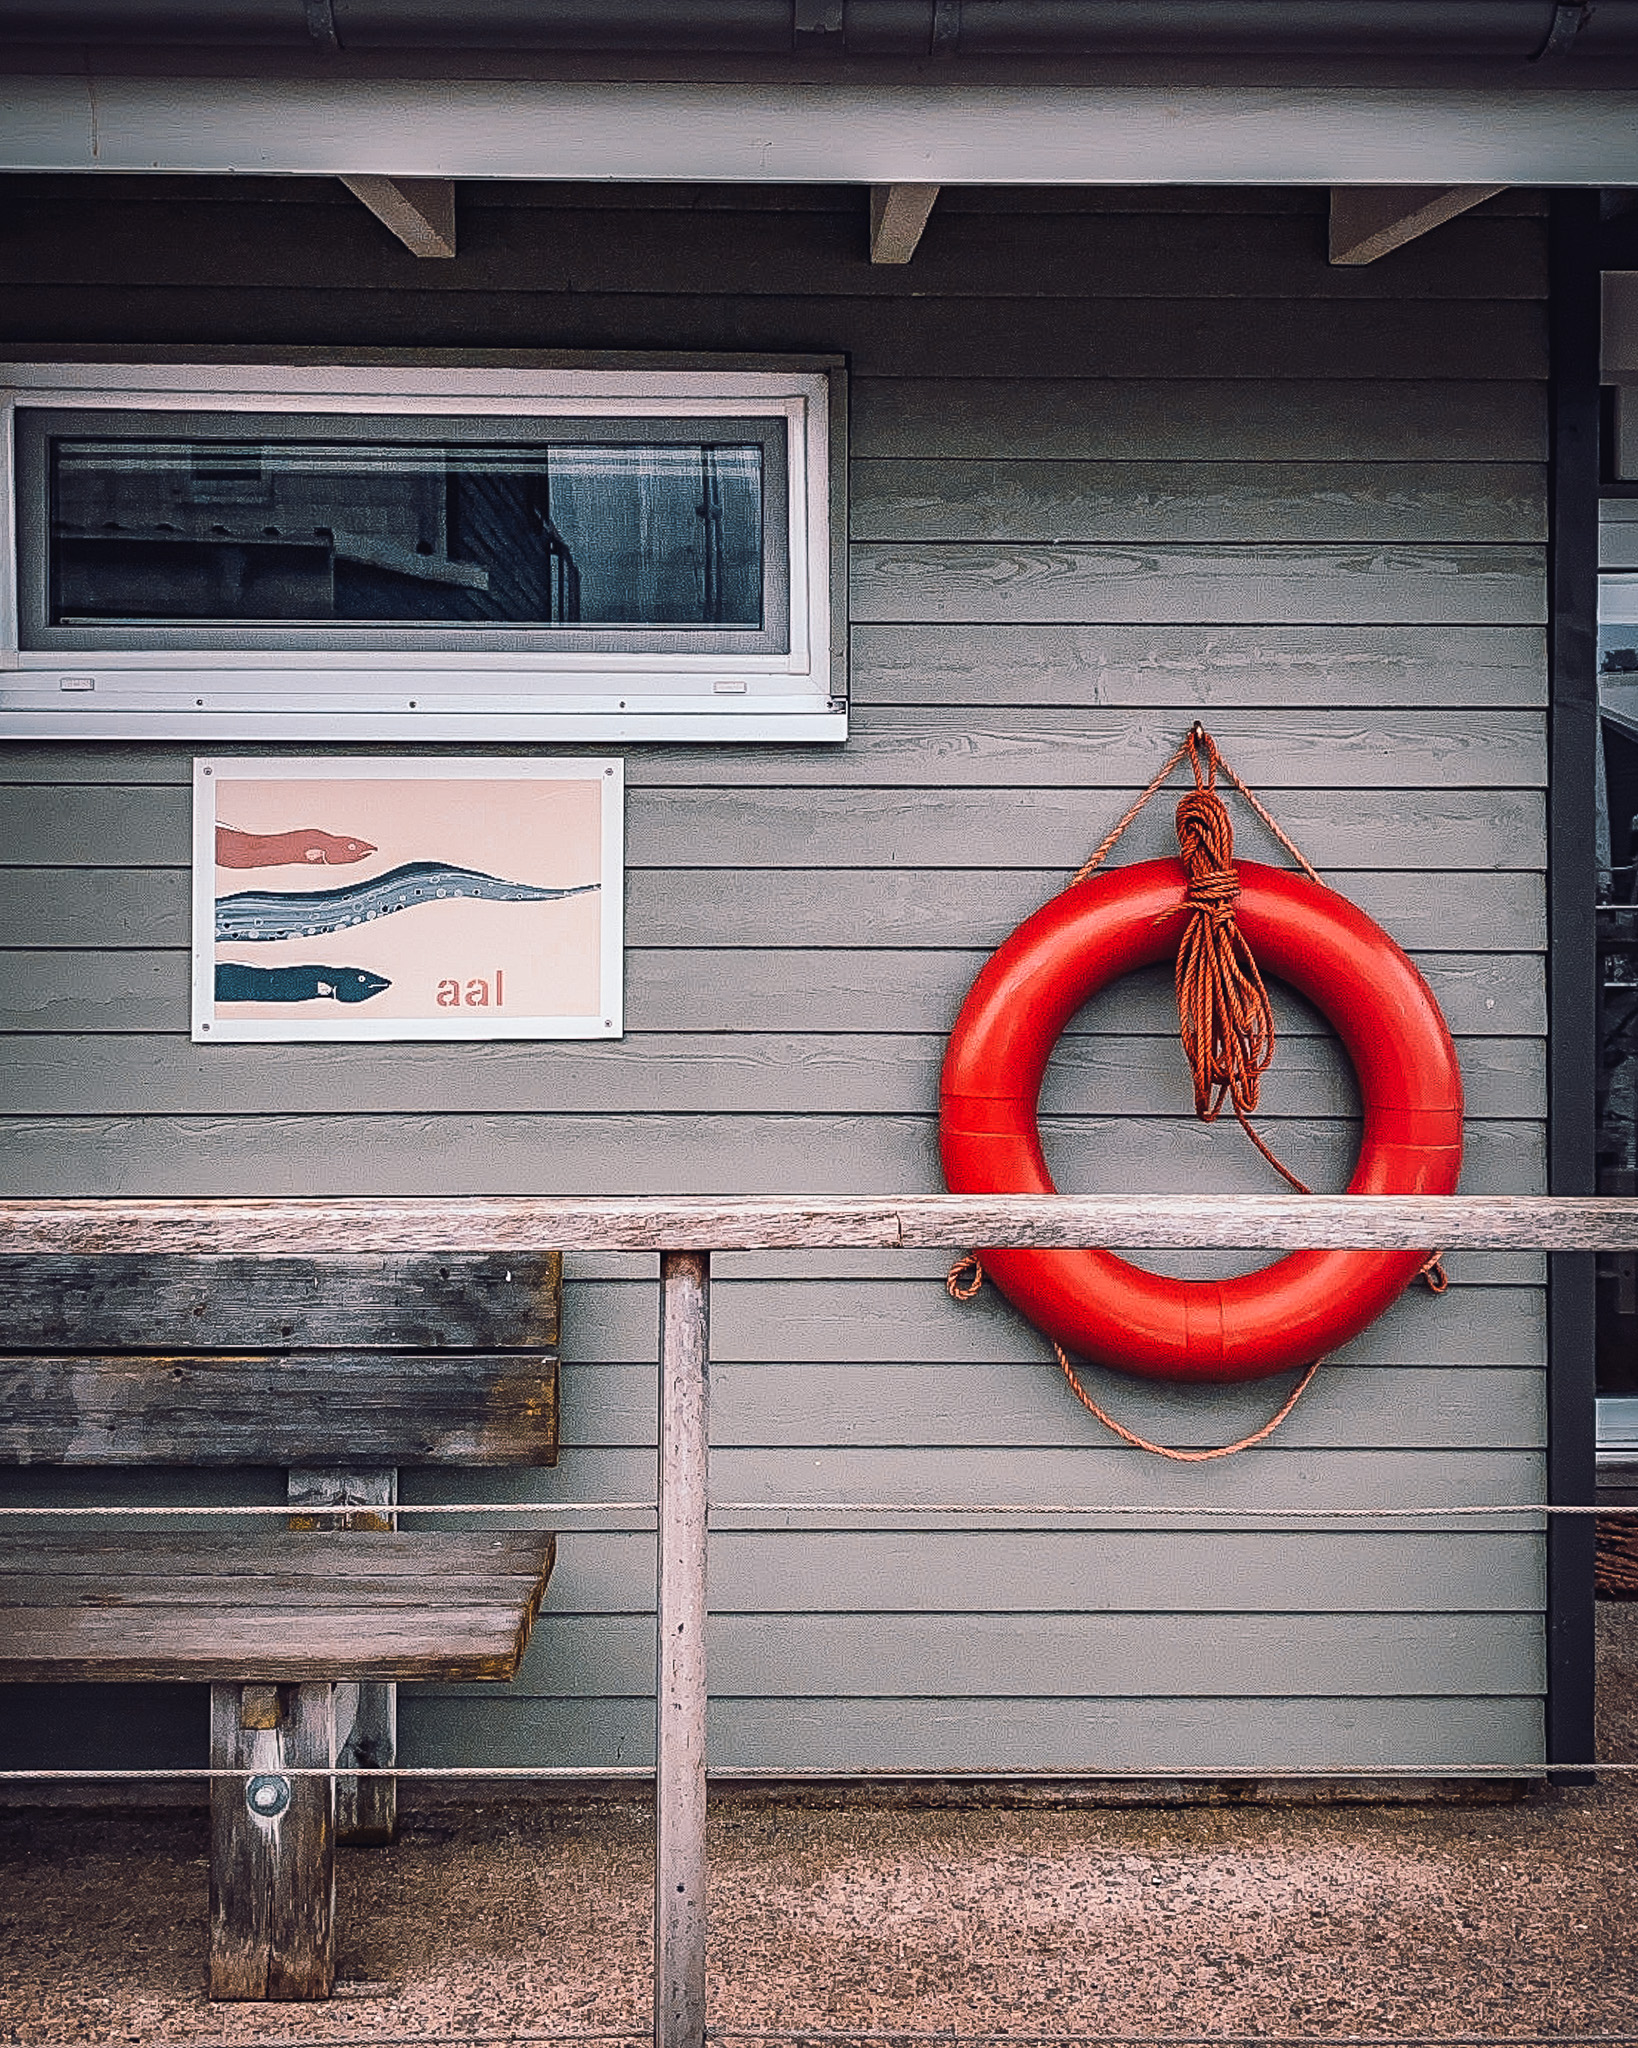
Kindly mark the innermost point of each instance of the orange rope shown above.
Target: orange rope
(965, 1290)
(1224, 1014)
(1223, 1011)
(1142, 1443)
(1106, 845)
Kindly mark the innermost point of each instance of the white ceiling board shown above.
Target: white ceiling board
(1566, 135)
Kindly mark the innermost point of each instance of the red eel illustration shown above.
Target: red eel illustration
(306, 846)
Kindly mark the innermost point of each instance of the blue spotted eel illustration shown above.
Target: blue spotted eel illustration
(255, 914)
(240, 984)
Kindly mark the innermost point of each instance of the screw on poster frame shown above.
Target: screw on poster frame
(372, 899)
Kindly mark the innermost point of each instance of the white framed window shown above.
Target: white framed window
(409, 552)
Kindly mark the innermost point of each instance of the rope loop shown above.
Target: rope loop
(1142, 1443)
(960, 1289)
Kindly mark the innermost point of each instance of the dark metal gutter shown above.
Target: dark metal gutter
(1521, 31)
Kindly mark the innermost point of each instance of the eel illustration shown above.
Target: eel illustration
(306, 846)
(239, 984)
(270, 914)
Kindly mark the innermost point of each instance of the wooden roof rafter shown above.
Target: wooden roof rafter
(898, 216)
(1370, 221)
(419, 211)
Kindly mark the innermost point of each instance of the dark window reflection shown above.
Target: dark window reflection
(561, 534)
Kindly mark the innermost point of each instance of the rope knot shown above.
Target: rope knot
(1205, 838)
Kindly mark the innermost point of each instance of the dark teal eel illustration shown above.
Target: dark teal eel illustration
(239, 984)
(306, 914)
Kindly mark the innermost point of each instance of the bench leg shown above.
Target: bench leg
(366, 1714)
(272, 1847)
(366, 1738)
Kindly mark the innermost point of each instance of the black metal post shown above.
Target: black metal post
(1572, 957)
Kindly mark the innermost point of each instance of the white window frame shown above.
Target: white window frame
(555, 695)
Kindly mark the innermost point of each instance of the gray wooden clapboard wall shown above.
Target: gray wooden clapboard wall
(1118, 459)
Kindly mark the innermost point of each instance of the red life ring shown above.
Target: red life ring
(1286, 1314)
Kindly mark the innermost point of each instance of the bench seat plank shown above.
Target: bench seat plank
(317, 1555)
(287, 1607)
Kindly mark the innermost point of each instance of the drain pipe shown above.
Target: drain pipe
(1507, 30)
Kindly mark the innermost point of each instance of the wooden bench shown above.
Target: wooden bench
(341, 1370)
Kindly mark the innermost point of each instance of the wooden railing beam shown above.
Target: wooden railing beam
(270, 1228)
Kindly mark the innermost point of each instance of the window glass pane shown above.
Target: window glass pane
(624, 533)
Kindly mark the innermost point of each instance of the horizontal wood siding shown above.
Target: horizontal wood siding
(1118, 460)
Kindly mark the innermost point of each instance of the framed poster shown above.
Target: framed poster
(380, 899)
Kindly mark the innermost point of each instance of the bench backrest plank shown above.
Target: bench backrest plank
(119, 1301)
(122, 1360)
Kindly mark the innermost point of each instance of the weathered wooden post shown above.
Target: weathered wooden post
(272, 1862)
(679, 1839)
(367, 1711)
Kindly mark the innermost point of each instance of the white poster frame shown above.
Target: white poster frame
(332, 1022)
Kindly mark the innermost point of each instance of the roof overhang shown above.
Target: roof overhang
(944, 133)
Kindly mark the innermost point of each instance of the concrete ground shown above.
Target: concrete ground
(1246, 1919)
